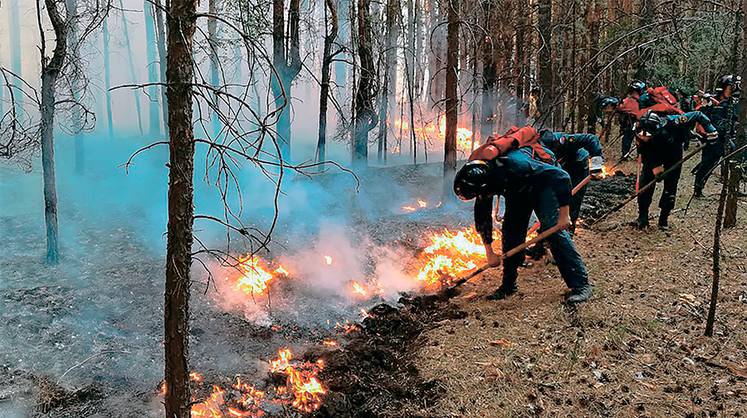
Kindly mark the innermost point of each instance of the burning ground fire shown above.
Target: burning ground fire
(419, 205)
(449, 255)
(432, 132)
(302, 390)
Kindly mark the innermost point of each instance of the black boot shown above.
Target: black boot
(579, 294)
(642, 222)
(664, 220)
(503, 292)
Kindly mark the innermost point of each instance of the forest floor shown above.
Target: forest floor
(85, 339)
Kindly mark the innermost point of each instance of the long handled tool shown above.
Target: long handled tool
(649, 185)
(512, 252)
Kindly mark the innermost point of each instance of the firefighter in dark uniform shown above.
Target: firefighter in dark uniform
(724, 114)
(661, 142)
(579, 155)
(529, 181)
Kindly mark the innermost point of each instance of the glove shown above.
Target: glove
(596, 165)
(711, 136)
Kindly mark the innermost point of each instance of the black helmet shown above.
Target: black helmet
(732, 80)
(638, 86)
(474, 178)
(608, 101)
(650, 123)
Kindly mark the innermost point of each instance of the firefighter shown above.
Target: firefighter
(579, 155)
(529, 181)
(661, 142)
(723, 113)
(629, 111)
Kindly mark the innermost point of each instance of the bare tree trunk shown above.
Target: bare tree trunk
(150, 53)
(77, 125)
(108, 77)
(452, 100)
(131, 66)
(489, 72)
(594, 17)
(716, 261)
(365, 116)
(332, 26)
(50, 72)
(519, 70)
(544, 26)
(16, 63)
(287, 63)
(180, 75)
(214, 9)
(412, 14)
(390, 74)
(161, 39)
(735, 171)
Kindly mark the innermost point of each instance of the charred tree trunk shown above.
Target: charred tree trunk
(107, 77)
(489, 72)
(390, 74)
(51, 69)
(286, 58)
(332, 26)
(150, 52)
(716, 261)
(519, 70)
(412, 13)
(365, 116)
(179, 74)
(452, 100)
(76, 88)
(735, 175)
(161, 39)
(131, 67)
(214, 10)
(594, 17)
(647, 9)
(544, 26)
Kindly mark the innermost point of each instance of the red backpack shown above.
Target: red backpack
(514, 138)
(662, 95)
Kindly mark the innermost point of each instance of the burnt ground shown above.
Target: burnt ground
(85, 341)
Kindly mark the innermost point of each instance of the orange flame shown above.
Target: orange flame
(210, 407)
(301, 382)
(448, 255)
(256, 276)
(359, 290)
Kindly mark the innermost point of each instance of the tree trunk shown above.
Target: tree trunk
(286, 59)
(50, 72)
(180, 75)
(213, 45)
(365, 116)
(107, 77)
(519, 70)
(16, 63)
(716, 261)
(489, 72)
(150, 53)
(594, 18)
(49, 79)
(390, 74)
(544, 26)
(452, 100)
(161, 38)
(131, 66)
(73, 49)
(332, 26)
(412, 13)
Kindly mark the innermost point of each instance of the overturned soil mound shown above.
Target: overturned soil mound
(375, 374)
(602, 195)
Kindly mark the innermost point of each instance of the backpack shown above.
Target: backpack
(514, 138)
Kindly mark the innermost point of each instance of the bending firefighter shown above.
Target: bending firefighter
(661, 141)
(519, 168)
(579, 155)
(723, 112)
